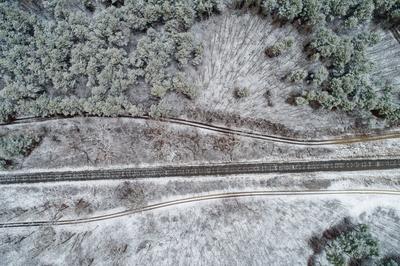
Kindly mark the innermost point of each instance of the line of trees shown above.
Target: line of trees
(54, 49)
(352, 13)
(339, 38)
(77, 52)
(349, 85)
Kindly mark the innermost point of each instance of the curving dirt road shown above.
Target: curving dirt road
(197, 199)
(237, 132)
(201, 170)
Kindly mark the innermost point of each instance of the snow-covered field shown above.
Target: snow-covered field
(234, 57)
(118, 142)
(264, 230)
(242, 231)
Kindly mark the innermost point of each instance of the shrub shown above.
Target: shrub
(356, 244)
(311, 12)
(325, 42)
(387, 262)
(297, 76)
(16, 145)
(3, 164)
(158, 111)
(180, 84)
(111, 106)
(269, 6)
(289, 9)
(159, 90)
(320, 76)
(6, 110)
(279, 47)
(184, 48)
(301, 101)
(362, 13)
(241, 92)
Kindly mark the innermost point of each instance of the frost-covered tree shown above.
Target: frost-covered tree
(13, 146)
(320, 75)
(362, 13)
(158, 111)
(342, 54)
(7, 110)
(338, 7)
(268, 6)
(186, 47)
(3, 164)
(207, 7)
(297, 76)
(325, 42)
(54, 51)
(301, 101)
(16, 145)
(356, 244)
(387, 262)
(311, 12)
(388, 10)
(57, 55)
(180, 84)
(289, 9)
(109, 26)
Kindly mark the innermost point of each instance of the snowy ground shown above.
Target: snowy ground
(234, 45)
(244, 231)
(386, 57)
(233, 57)
(106, 142)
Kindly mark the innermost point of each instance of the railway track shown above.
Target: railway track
(206, 170)
(201, 170)
(197, 199)
(238, 132)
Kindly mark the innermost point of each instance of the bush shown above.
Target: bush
(356, 244)
(241, 92)
(301, 101)
(311, 12)
(180, 84)
(387, 262)
(320, 76)
(325, 42)
(3, 164)
(289, 9)
(17, 145)
(297, 76)
(279, 47)
(6, 110)
(158, 111)
(362, 13)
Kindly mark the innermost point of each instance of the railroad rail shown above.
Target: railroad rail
(197, 199)
(201, 170)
